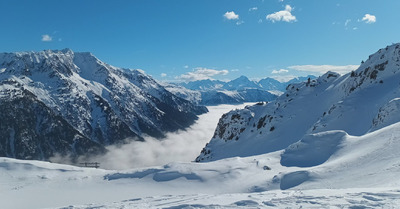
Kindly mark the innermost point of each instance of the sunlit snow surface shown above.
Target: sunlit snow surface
(349, 198)
(359, 172)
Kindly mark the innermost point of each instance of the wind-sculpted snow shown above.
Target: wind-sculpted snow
(293, 179)
(313, 150)
(351, 198)
(157, 175)
(104, 104)
(362, 172)
(357, 103)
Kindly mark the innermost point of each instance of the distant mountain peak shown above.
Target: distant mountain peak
(242, 77)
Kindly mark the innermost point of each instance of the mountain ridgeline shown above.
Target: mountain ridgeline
(73, 103)
(242, 83)
(357, 103)
(240, 90)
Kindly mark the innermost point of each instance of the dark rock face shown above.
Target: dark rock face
(30, 130)
(72, 103)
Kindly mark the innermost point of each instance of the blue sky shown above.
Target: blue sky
(197, 39)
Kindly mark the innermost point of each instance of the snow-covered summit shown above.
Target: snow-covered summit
(104, 104)
(241, 83)
(357, 103)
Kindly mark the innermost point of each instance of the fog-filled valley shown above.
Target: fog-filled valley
(180, 146)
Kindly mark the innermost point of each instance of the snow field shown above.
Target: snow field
(361, 171)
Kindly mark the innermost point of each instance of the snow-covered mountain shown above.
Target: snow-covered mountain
(235, 97)
(272, 84)
(217, 95)
(356, 103)
(66, 102)
(182, 92)
(206, 84)
(240, 90)
(241, 83)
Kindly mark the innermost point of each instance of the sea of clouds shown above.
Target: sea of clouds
(180, 146)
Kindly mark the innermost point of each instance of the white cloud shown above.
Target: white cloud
(163, 75)
(235, 70)
(283, 78)
(231, 15)
(201, 74)
(369, 18)
(284, 15)
(186, 66)
(253, 9)
(239, 22)
(347, 22)
(321, 69)
(46, 38)
(279, 71)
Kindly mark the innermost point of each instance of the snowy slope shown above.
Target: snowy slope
(300, 79)
(356, 171)
(350, 198)
(100, 102)
(356, 103)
